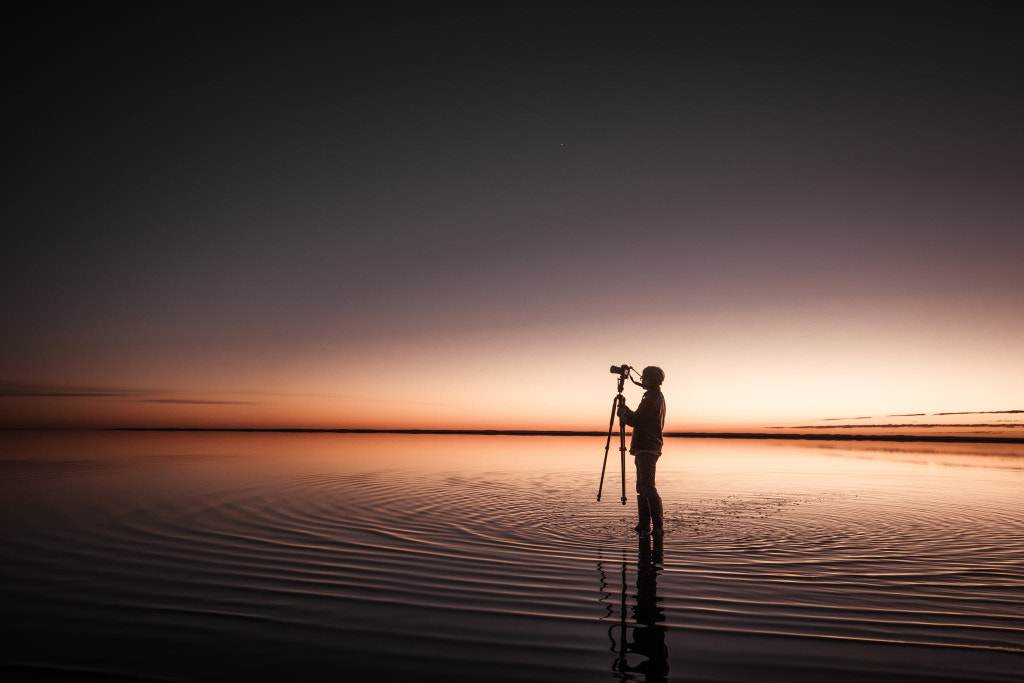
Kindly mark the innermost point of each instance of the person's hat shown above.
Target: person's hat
(653, 373)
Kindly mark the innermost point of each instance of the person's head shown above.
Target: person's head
(652, 377)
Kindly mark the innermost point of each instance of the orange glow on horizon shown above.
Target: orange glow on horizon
(744, 371)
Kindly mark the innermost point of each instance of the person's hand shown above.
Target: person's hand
(622, 409)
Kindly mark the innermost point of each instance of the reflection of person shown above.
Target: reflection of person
(641, 646)
(647, 422)
(649, 616)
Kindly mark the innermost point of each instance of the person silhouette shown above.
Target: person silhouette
(647, 421)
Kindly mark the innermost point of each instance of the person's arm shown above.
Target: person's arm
(627, 416)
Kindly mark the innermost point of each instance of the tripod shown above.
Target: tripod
(619, 399)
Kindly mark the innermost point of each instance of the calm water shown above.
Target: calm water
(190, 557)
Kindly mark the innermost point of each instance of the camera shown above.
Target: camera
(620, 370)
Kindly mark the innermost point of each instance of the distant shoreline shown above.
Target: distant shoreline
(527, 432)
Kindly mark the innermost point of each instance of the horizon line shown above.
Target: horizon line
(553, 432)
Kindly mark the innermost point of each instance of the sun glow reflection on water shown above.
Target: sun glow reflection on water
(421, 556)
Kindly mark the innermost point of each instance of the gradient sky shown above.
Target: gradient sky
(308, 215)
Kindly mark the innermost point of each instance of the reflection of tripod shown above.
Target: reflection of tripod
(616, 402)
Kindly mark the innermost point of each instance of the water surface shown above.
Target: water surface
(206, 556)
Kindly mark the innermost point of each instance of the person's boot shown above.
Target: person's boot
(644, 514)
(656, 514)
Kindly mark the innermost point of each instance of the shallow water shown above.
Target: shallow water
(209, 556)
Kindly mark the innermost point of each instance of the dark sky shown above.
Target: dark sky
(256, 180)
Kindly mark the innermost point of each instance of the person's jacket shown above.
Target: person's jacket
(647, 421)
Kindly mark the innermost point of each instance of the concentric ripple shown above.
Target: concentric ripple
(298, 559)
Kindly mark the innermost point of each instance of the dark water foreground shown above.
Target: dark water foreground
(200, 557)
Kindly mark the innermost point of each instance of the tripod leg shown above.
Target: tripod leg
(622, 457)
(607, 445)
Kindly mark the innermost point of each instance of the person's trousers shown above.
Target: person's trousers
(647, 498)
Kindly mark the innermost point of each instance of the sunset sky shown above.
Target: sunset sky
(308, 215)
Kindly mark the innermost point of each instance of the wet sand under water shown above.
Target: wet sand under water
(210, 556)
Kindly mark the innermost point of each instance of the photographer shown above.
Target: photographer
(647, 422)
